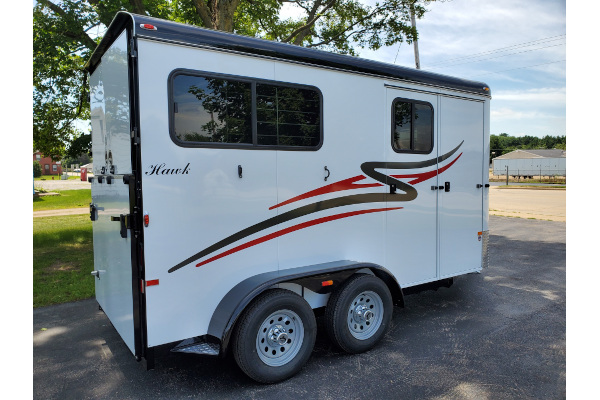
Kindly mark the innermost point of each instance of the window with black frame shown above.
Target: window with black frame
(287, 116)
(211, 109)
(412, 126)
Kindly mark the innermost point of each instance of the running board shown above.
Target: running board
(197, 346)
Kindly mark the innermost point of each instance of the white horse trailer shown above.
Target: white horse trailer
(240, 184)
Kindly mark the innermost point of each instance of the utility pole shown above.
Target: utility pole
(415, 42)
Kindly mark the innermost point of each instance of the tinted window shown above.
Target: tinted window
(412, 127)
(213, 109)
(287, 116)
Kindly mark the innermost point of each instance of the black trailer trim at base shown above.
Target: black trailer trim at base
(240, 296)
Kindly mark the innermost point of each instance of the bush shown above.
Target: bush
(37, 169)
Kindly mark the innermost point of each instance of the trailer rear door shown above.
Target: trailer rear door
(111, 147)
(461, 201)
(411, 155)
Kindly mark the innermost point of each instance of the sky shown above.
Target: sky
(517, 47)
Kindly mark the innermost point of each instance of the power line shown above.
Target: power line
(504, 49)
(498, 56)
(512, 69)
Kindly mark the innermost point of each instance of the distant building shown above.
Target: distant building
(529, 163)
(49, 167)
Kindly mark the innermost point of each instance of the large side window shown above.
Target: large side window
(211, 110)
(287, 116)
(412, 126)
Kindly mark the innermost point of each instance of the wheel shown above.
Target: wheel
(358, 313)
(275, 336)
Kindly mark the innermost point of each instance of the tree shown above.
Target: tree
(503, 143)
(64, 40)
(37, 169)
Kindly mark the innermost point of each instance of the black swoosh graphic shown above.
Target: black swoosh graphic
(290, 215)
(368, 168)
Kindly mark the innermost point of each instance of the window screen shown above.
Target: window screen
(246, 112)
(287, 116)
(412, 126)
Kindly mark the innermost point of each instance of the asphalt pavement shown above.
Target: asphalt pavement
(495, 335)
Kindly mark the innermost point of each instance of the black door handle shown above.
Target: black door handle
(437, 187)
(446, 186)
(124, 219)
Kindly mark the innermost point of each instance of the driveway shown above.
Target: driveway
(57, 184)
(495, 335)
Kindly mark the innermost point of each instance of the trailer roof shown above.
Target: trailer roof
(192, 35)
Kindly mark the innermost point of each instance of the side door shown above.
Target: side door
(461, 200)
(411, 163)
(111, 147)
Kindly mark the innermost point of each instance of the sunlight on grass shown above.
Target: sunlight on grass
(62, 259)
(66, 199)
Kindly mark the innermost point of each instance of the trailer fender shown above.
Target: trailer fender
(240, 296)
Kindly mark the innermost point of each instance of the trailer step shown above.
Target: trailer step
(197, 346)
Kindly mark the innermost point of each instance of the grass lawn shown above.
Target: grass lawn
(62, 259)
(67, 199)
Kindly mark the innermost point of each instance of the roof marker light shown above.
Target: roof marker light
(148, 26)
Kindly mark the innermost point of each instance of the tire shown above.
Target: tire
(275, 336)
(358, 313)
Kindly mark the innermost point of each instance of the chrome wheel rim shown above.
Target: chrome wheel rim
(365, 315)
(279, 338)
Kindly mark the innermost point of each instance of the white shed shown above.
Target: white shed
(529, 163)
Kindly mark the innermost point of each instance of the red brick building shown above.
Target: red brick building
(49, 167)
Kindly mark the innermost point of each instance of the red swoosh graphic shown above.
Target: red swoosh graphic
(334, 187)
(292, 229)
(427, 175)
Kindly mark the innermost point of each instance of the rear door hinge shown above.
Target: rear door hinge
(132, 51)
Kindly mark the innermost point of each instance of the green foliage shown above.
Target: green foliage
(63, 41)
(503, 143)
(37, 169)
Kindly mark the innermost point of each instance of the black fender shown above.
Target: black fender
(311, 276)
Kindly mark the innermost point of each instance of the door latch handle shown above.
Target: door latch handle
(328, 173)
(96, 274)
(437, 187)
(93, 212)
(446, 186)
(124, 219)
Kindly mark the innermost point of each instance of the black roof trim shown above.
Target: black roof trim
(196, 36)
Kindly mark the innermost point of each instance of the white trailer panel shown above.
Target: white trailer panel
(240, 183)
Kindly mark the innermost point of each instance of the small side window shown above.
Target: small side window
(412, 126)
